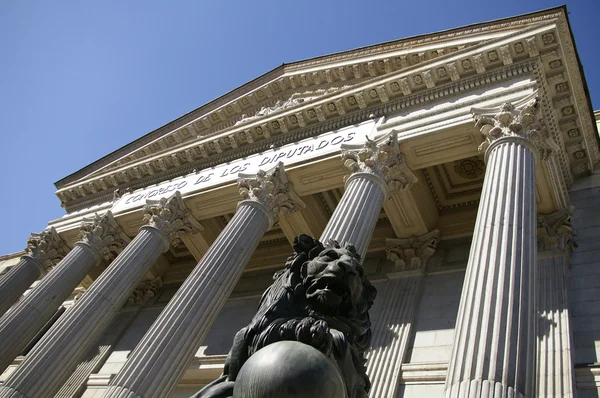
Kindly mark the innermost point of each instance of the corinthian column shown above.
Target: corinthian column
(393, 327)
(554, 357)
(494, 347)
(166, 350)
(376, 170)
(43, 251)
(99, 238)
(57, 354)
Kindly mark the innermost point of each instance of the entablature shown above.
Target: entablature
(308, 113)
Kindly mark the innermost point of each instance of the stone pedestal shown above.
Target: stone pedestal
(376, 170)
(494, 349)
(393, 328)
(99, 238)
(43, 251)
(57, 354)
(160, 359)
(555, 372)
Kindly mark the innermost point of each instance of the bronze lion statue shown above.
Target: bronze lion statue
(322, 299)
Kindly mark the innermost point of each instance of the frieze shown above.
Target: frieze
(228, 172)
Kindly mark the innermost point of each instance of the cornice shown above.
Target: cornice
(432, 79)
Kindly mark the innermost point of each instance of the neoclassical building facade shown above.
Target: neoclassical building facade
(463, 165)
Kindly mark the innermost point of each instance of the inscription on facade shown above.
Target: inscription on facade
(288, 154)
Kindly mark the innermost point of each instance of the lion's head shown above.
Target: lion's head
(335, 284)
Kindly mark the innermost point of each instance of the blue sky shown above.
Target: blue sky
(81, 79)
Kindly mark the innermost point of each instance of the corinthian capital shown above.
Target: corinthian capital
(555, 232)
(412, 254)
(171, 216)
(272, 189)
(520, 119)
(103, 234)
(381, 158)
(46, 247)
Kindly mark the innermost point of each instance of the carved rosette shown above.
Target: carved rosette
(171, 216)
(143, 292)
(412, 254)
(515, 120)
(381, 158)
(103, 234)
(47, 247)
(272, 189)
(555, 232)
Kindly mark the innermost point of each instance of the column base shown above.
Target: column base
(120, 392)
(482, 388)
(7, 392)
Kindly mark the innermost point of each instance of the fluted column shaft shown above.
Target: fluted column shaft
(494, 348)
(160, 359)
(554, 357)
(56, 355)
(27, 317)
(376, 170)
(391, 333)
(357, 212)
(555, 371)
(16, 282)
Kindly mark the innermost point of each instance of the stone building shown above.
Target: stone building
(462, 164)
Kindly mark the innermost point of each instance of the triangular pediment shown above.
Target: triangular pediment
(310, 92)
(309, 79)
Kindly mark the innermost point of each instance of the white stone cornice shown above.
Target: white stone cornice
(47, 248)
(272, 190)
(104, 235)
(171, 217)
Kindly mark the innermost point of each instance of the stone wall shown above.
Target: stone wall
(584, 284)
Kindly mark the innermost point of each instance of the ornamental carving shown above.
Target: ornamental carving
(382, 159)
(470, 168)
(267, 110)
(412, 254)
(47, 247)
(143, 292)
(510, 120)
(171, 216)
(103, 234)
(555, 232)
(272, 189)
